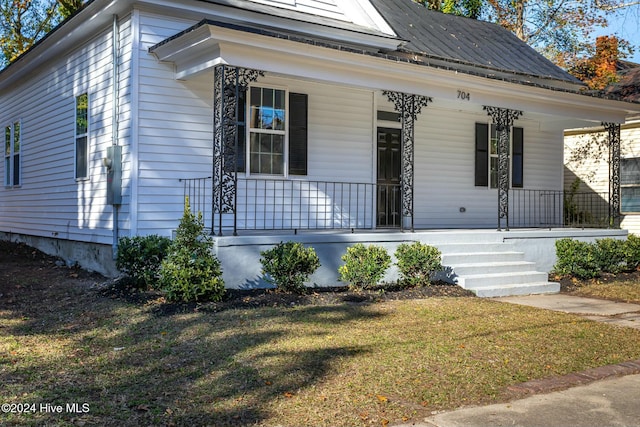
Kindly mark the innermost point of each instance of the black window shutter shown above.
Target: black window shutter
(482, 155)
(298, 133)
(241, 131)
(517, 162)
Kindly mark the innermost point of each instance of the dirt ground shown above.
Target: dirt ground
(31, 281)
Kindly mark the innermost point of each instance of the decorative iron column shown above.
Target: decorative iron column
(503, 119)
(229, 83)
(409, 106)
(613, 130)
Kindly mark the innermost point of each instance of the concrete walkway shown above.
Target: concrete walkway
(599, 397)
(617, 313)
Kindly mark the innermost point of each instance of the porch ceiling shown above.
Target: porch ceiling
(210, 43)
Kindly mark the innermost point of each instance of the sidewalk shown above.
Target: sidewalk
(617, 313)
(606, 403)
(599, 397)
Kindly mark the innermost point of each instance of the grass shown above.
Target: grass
(626, 290)
(338, 365)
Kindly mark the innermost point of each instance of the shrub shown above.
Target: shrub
(632, 252)
(609, 255)
(417, 262)
(140, 257)
(190, 271)
(288, 265)
(364, 266)
(575, 258)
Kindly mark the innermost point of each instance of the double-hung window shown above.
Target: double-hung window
(267, 130)
(82, 137)
(272, 128)
(12, 147)
(487, 156)
(630, 185)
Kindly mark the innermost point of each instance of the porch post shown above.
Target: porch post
(503, 119)
(613, 130)
(228, 83)
(409, 106)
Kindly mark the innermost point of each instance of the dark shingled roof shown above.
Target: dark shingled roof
(628, 87)
(465, 40)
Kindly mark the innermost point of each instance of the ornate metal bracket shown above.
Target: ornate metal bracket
(409, 106)
(229, 83)
(503, 119)
(613, 130)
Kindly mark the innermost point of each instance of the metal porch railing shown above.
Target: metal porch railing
(556, 209)
(280, 204)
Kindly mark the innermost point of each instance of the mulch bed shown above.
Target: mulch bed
(29, 273)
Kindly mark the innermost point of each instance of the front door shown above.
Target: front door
(389, 165)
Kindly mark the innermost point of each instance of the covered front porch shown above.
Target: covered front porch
(380, 141)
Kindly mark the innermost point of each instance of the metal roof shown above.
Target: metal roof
(464, 40)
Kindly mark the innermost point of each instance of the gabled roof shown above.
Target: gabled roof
(466, 41)
(423, 37)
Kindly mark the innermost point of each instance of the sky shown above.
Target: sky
(625, 24)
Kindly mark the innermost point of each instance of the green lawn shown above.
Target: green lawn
(321, 365)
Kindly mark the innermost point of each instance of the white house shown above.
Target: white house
(276, 117)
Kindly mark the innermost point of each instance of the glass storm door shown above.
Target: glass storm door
(388, 182)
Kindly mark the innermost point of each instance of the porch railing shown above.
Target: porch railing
(279, 204)
(199, 191)
(555, 209)
(273, 204)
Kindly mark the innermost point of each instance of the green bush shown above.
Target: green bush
(417, 262)
(190, 271)
(288, 265)
(575, 258)
(609, 255)
(364, 266)
(632, 252)
(140, 257)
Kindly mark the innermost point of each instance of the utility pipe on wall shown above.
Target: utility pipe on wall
(114, 128)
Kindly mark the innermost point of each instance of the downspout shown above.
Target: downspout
(115, 88)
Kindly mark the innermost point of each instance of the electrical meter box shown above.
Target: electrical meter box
(113, 162)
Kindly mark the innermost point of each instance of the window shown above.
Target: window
(269, 132)
(630, 185)
(82, 136)
(12, 147)
(487, 159)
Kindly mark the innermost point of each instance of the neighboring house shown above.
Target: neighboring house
(279, 116)
(587, 156)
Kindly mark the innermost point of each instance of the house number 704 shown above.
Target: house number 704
(466, 96)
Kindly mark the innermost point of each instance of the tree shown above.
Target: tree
(559, 29)
(24, 22)
(469, 8)
(600, 70)
(69, 7)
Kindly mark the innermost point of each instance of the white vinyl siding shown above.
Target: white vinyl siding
(176, 131)
(50, 202)
(444, 168)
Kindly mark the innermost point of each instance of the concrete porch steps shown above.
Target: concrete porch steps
(493, 270)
